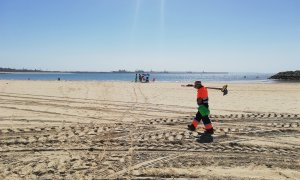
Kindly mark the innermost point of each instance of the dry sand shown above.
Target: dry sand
(109, 130)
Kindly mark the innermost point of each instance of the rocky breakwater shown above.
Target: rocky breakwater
(287, 75)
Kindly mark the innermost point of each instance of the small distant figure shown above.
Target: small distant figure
(245, 77)
(140, 77)
(58, 79)
(136, 77)
(143, 78)
(153, 80)
(28, 79)
(147, 79)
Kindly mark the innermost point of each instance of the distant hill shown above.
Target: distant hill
(287, 75)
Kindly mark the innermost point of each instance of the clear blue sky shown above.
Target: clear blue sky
(178, 35)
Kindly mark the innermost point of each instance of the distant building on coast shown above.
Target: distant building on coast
(139, 71)
(122, 71)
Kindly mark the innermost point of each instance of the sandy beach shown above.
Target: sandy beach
(110, 130)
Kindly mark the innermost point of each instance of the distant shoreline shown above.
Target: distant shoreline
(12, 70)
(154, 76)
(113, 72)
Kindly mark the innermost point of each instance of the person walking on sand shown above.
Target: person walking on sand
(136, 77)
(203, 110)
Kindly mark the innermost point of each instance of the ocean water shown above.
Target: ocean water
(160, 77)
